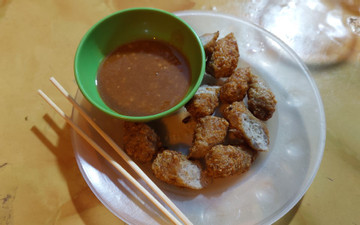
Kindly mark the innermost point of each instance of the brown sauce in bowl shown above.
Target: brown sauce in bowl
(144, 77)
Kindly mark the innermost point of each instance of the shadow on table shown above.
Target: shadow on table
(288, 217)
(82, 198)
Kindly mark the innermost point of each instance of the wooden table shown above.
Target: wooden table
(40, 182)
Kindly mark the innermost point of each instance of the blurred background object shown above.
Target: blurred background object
(317, 30)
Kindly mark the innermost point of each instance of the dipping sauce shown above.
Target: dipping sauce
(144, 77)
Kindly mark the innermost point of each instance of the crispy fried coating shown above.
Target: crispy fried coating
(204, 101)
(236, 87)
(253, 130)
(209, 131)
(226, 160)
(174, 168)
(140, 141)
(261, 101)
(208, 41)
(225, 57)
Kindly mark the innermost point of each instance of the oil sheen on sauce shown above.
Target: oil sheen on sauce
(144, 77)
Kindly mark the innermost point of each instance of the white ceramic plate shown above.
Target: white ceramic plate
(276, 181)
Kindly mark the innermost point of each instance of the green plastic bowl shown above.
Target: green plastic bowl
(130, 25)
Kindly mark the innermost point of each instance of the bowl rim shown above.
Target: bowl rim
(111, 112)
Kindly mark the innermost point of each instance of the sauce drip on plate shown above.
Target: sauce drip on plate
(144, 77)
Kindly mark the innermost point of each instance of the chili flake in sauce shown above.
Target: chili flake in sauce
(144, 77)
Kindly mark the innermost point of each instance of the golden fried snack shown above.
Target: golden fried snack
(226, 160)
(204, 101)
(235, 88)
(253, 130)
(225, 57)
(174, 168)
(140, 141)
(261, 101)
(208, 41)
(209, 131)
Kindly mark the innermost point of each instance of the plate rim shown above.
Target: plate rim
(309, 77)
(322, 135)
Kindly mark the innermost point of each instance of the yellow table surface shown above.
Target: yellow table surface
(40, 182)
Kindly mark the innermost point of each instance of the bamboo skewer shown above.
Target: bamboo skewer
(123, 155)
(109, 159)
